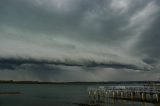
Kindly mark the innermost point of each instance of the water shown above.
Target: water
(52, 95)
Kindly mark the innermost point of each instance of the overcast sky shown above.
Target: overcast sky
(80, 40)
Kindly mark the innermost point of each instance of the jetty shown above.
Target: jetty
(102, 94)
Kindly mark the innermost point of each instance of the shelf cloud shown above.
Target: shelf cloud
(77, 40)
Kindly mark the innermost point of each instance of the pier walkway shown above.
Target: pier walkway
(100, 95)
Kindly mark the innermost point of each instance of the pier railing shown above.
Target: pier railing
(101, 94)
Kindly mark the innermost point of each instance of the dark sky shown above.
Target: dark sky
(79, 40)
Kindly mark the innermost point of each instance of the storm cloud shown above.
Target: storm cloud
(79, 40)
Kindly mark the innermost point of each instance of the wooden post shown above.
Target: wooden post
(151, 97)
(131, 95)
(117, 93)
(89, 94)
(95, 97)
(142, 96)
(157, 98)
(113, 95)
(106, 93)
(121, 94)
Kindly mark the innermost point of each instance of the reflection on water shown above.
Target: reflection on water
(111, 102)
(119, 102)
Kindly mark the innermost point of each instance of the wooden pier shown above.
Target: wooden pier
(101, 95)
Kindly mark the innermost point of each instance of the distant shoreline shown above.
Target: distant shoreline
(109, 82)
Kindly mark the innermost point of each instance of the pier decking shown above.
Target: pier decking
(100, 95)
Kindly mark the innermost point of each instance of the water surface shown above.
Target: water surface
(52, 95)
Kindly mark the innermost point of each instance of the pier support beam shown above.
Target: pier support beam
(113, 94)
(122, 95)
(131, 95)
(142, 96)
(157, 97)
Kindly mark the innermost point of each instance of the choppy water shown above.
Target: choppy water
(52, 95)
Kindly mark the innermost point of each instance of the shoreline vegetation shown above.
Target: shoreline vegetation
(78, 82)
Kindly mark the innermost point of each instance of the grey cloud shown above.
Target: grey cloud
(118, 34)
(151, 42)
(13, 64)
